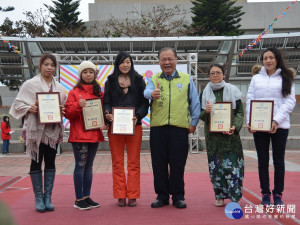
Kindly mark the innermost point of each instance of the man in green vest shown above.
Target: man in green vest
(175, 111)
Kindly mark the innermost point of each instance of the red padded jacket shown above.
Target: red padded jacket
(5, 131)
(74, 114)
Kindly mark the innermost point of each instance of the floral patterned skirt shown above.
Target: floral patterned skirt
(226, 171)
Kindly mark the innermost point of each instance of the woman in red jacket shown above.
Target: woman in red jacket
(5, 129)
(85, 143)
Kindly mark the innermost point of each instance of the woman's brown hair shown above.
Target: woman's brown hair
(47, 56)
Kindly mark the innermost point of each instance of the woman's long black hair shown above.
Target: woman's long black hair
(120, 59)
(7, 123)
(286, 73)
(95, 84)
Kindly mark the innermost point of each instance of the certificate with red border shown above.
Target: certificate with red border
(221, 118)
(261, 115)
(122, 123)
(93, 114)
(49, 107)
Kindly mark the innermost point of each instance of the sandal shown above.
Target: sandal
(219, 202)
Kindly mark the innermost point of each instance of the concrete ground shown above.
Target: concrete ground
(17, 164)
(16, 191)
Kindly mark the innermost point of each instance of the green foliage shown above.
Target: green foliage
(35, 25)
(219, 16)
(8, 29)
(65, 20)
(9, 8)
(12, 84)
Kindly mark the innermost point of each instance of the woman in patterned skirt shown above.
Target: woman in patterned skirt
(224, 150)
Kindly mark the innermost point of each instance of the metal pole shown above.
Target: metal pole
(29, 60)
(229, 60)
(192, 63)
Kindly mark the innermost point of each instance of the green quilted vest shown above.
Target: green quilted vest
(172, 108)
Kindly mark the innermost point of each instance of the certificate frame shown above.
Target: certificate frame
(221, 121)
(261, 120)
(49, 111)
(92, 114)
(120, 114)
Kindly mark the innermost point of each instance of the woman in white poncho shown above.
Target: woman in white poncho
(41, 139)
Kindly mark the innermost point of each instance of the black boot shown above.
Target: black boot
(37, 184)
(49, 175)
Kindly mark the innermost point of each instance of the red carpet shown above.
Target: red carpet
(199, 197)
(4, 179)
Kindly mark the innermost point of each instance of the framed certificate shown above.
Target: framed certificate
(123, 123)
(261, 115)
(221, 120)
(49, 107)
(93, 114)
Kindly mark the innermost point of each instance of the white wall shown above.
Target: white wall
(7, 96)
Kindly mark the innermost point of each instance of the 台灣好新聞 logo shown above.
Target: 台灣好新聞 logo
(233, 211)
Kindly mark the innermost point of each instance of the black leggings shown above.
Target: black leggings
(49, 154)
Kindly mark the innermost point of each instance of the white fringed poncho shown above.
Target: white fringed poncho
(36, 133)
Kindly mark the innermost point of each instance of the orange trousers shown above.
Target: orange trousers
(131, 190)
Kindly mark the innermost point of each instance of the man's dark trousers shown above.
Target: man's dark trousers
(169, 148)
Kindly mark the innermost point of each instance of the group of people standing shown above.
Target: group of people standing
(175, 111)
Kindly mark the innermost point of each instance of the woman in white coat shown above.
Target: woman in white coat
(273, 82)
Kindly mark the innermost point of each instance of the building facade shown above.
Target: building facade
(257, 17)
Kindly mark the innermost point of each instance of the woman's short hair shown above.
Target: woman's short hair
(215, 65)
(167, 49)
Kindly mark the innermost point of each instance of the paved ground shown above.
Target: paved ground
(16, 191)
(18, 164)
